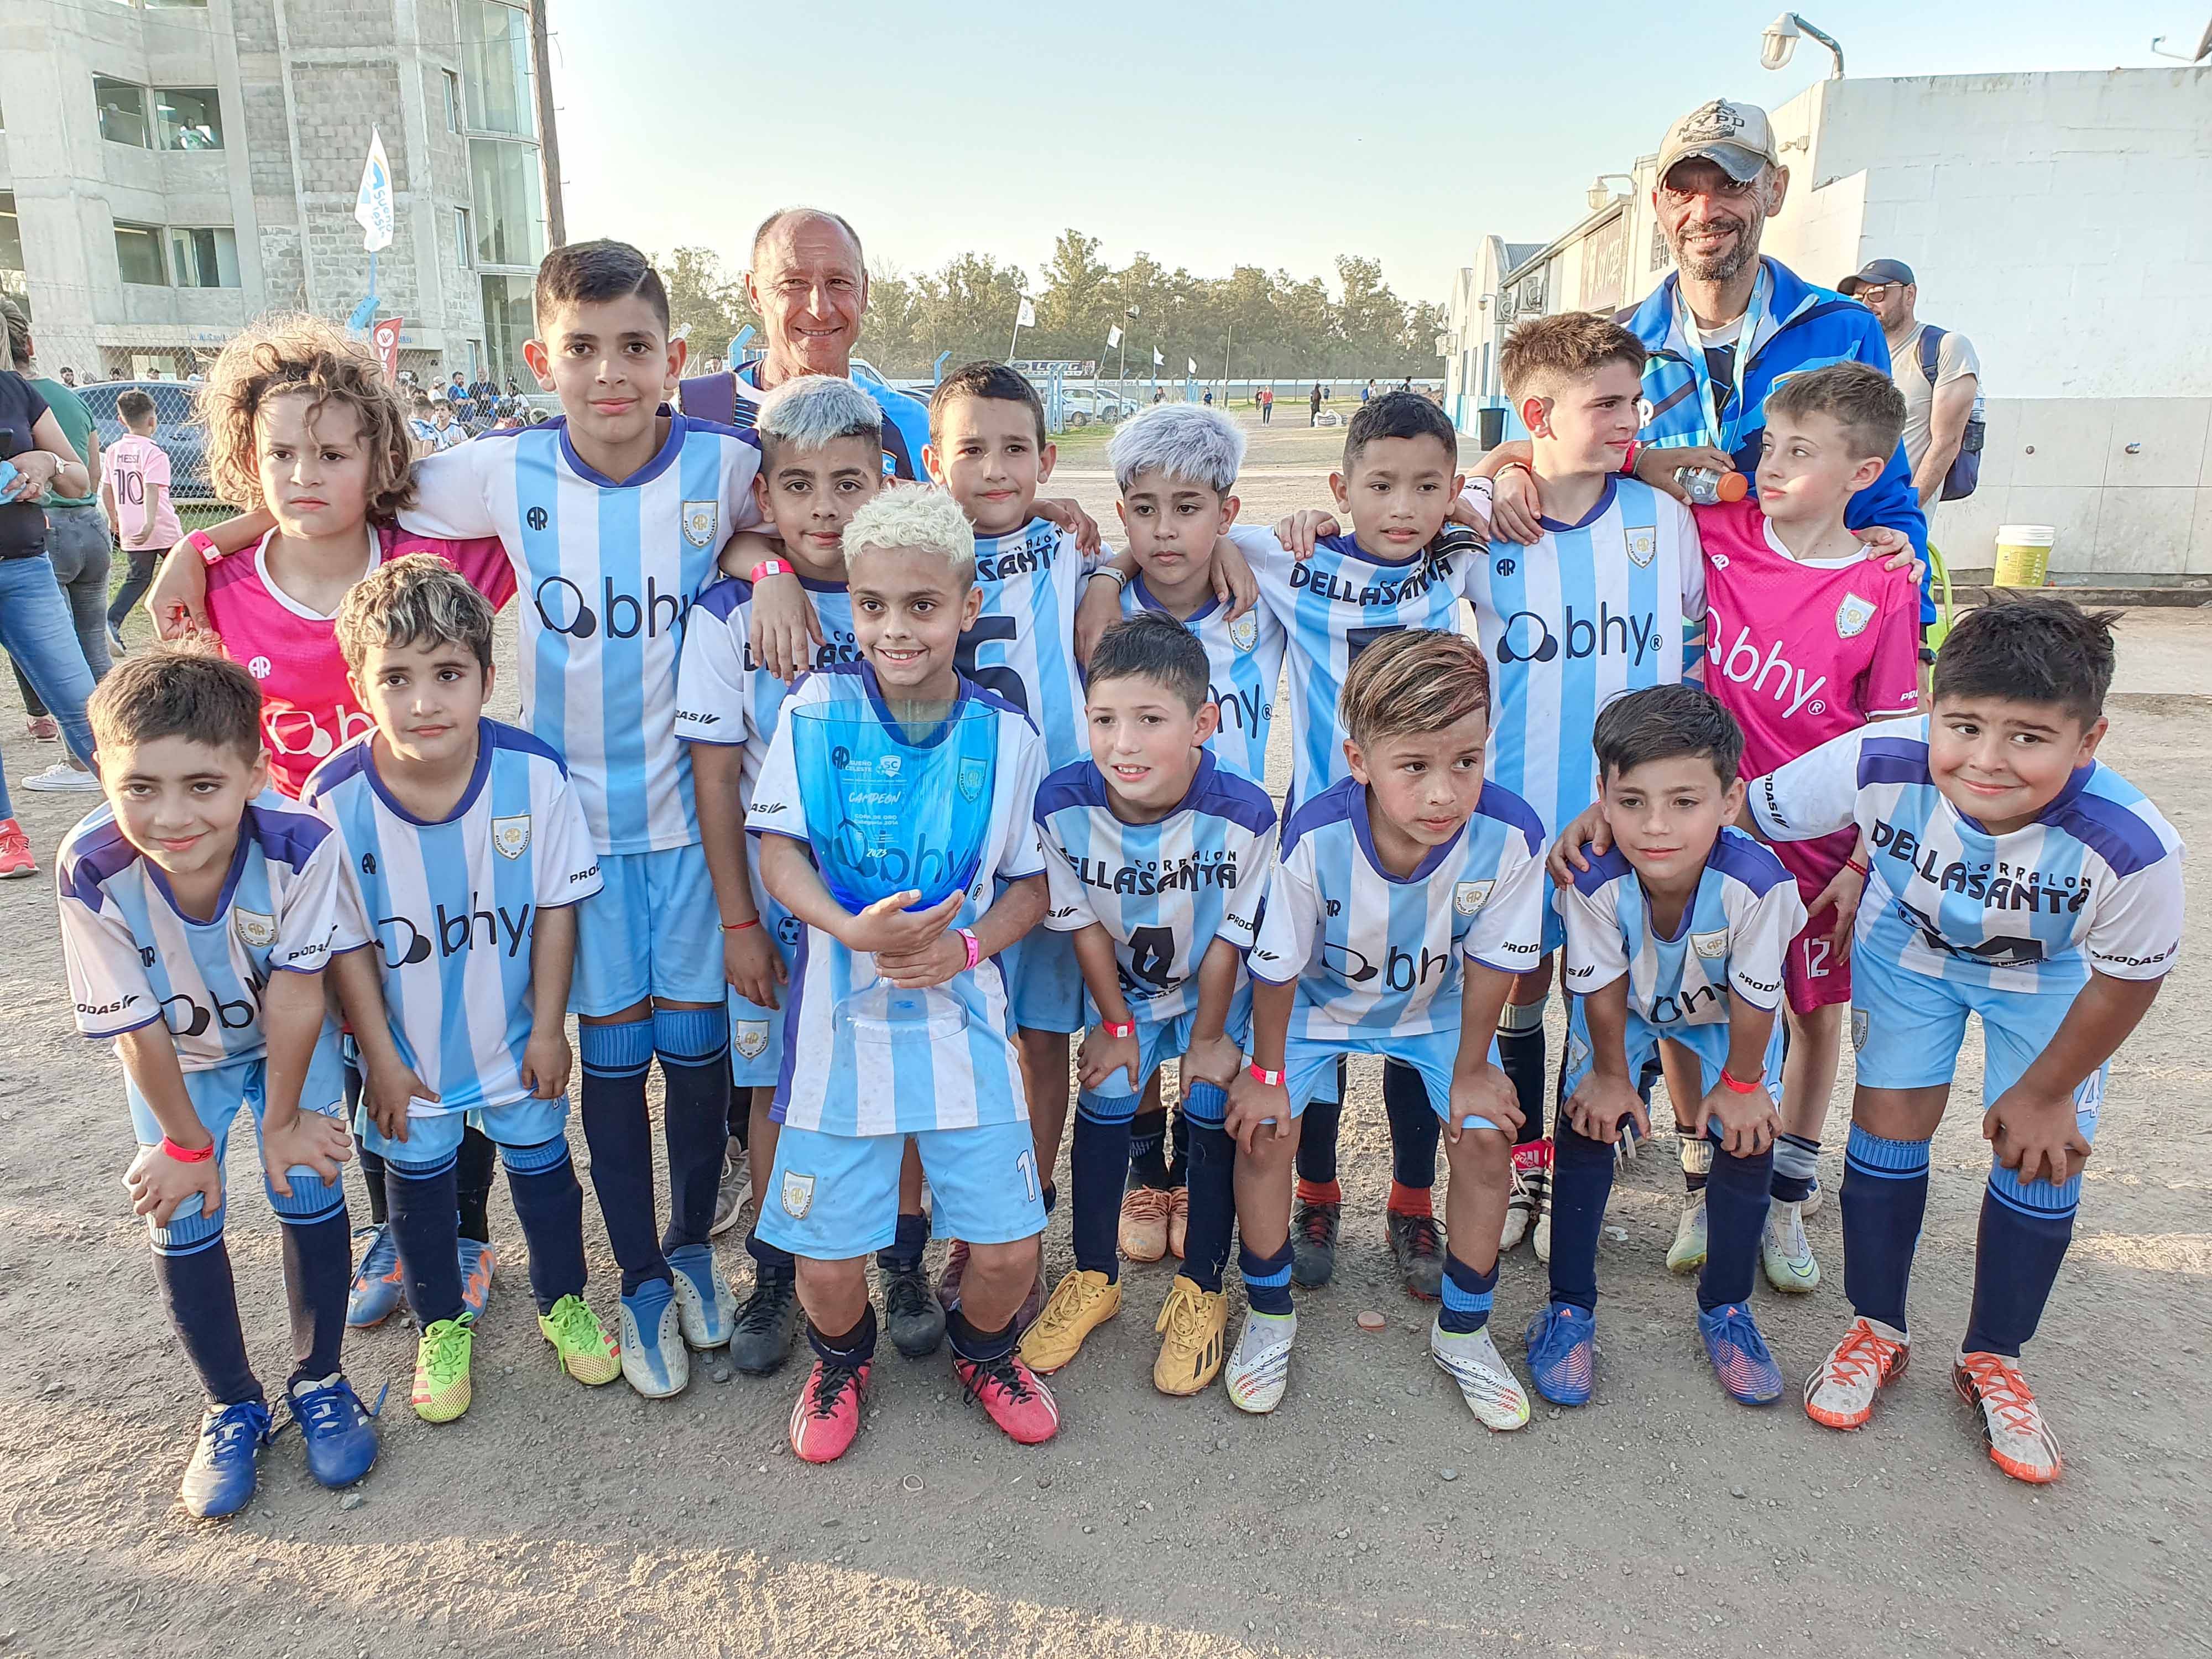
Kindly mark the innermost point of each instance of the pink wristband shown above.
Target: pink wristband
(182, 1156)
(1729, 1082)
(1118, 1028)
(203, 544)
(768, 567)
(975, 948)
(1261, 1074)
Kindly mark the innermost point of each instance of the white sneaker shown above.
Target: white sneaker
(1785, 1252)
(1259, 1369)
(736, 1191)
(1812, 1198)
(661, 1367)
(1492, 1393)
(706, 1307)
(62, 778)
(1540, 1235)
(1687, 1252)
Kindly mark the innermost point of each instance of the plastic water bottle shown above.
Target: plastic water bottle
(1707, 488)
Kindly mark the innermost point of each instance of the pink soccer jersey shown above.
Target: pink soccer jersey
(137, 480)
(1801, 653)
(307, 708)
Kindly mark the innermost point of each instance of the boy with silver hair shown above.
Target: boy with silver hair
(821, 461)
(1177, 466)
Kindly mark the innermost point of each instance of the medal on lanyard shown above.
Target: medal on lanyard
(1720, 436)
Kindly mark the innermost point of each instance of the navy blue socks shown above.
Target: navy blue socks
(1796, 1162)
(694, 1046)
(422, 1217)
(202, 1299)
(1467, 1294)
(318, 1274)
(1884, 1198)
(1098, 1163)
(1266, 1278)
(616, 1058)
(1735, 1215)
(1414, 1125)
(1582, 1177)
(2025, 1230)
(1211, 1176)
(542, 1181)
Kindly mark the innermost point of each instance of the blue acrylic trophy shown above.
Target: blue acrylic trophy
(894, 808)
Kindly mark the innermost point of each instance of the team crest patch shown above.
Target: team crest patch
(1244, 631)
(255, 931)
(749, 1038)
(1469, 896)
(1642, 544)
(1858, 1029)
(510, 837)
(1852, 616)
(1710, 947)
(798, 1195)
(1578, 1054)
(699, 520)
(969, 778)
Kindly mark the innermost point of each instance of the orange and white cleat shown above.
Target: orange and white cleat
(1143, 1231)
(1840, 1393)
(2012, 1423)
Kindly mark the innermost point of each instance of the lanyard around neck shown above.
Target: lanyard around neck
(1720, 434)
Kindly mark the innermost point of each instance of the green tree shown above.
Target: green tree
(704, 298)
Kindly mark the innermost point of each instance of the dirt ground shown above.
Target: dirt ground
(1369, 1516)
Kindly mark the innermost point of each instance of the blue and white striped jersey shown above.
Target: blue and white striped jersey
(1022, 646)
(722, 695)
(453, 905)
(1374, 952)
(1733, 935)
(134, 957)
(1244, 664)
(608, 572)
(1611, 603)
(833, 1083)
(2093, 883)
(1332, 607)
(1164, 891)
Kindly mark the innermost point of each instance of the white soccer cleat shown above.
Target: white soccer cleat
(654, 1363)
(1259, 1369)
(1687, 1252)
(1492, 1393)
(2019, 1441)
(1785, 1252)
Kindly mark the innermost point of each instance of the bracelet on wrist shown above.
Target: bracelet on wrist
(739, 927)
(186, 1155)
(1729, 1082)
(1261, 1074)
(1118, 1028)
(1858, 865)
(1120, 579)
(1509, 466)
(973, 946)
(768, 567)
(203, 544)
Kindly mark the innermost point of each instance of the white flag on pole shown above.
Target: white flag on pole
(1113, 337)
(1159, 362)
(1193, 361)
(1026, 316)
(373, 207)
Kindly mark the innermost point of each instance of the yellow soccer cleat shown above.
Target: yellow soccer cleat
(586, 1353)
(1080, 1304)
(1193, 1325)
(441, 1369)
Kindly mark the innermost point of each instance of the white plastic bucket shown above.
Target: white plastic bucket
(2024, 555)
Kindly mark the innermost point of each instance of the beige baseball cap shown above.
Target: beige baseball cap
(1735, 137)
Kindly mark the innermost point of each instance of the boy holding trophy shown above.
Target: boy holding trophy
(895, 800)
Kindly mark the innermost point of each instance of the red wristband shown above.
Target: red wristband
(768, 567)
(184, 1157)
(1261, 1074)
(975, 948)
(1729, 1082)
(1118, 1028)
(1857, 865)
(739, 927)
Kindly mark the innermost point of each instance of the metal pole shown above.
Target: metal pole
(549, 137)
(1017, 335)
(1225, 350)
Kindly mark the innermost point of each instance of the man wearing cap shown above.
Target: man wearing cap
(1936, 368)
(1724, 328)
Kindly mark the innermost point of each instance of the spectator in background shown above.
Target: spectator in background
(134, 492)
(483, 392)
(445, 431)
(69, 377)
(1936, 368)
(422, 430)
(76, 531)
(1266, 401)
(1367, 392)
(1313, 406)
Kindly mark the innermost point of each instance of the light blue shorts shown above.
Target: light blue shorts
(1158, 1040)
(652, 930)
(1309, 1065)
(216, 1095)
(1044, 985)
(1710, 1043)
(831, 1198)
(756, 1033)
(1906, 1028)
(432, 1140)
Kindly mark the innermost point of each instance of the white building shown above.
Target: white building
(170, 168)
(2062, 223)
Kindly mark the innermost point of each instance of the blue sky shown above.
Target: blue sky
(1207, 132)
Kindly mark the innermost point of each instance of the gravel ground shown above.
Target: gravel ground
(1661, 1519)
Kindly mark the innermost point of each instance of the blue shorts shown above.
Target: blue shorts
(1708, 1043)
(1906, 1028)
(216, 1095)
(1158, 1040)
(652, 930)
(1309, 1065)
(831, 1198)
(1044, 986)
(756, 1033)
(432, 1140)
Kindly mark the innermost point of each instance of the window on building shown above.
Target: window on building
(122, 112)
(205, 259)
(452, 101)
(191, 117)
(508, 324)
(464, 241)
(495, 58)
(138, 255)
(13, 282)
(1658, 248)
(509, 220)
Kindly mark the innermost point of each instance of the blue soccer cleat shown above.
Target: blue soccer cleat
(654, 1357)
(1739, 1355)
(379, 1283)
(336, 1429)
(706, 1309)
(476, 1262)
(226, 1464)
(1563, 1353)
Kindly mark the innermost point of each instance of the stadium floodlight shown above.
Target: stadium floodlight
(1779, 41)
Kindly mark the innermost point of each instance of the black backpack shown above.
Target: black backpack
(1966, 466)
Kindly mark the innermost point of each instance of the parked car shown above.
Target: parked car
(1086, 404)
(176, 430)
